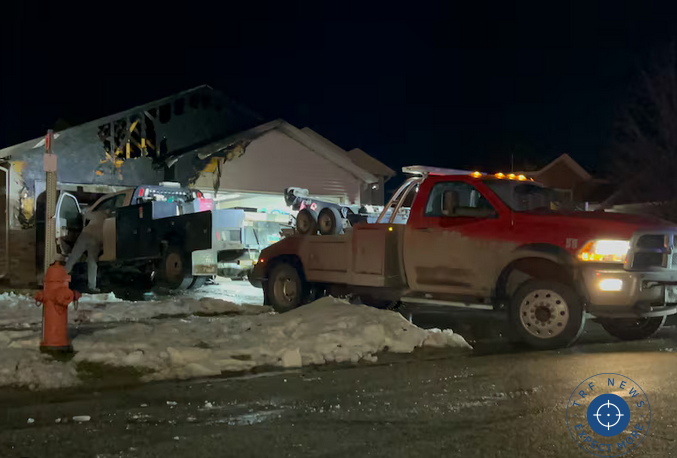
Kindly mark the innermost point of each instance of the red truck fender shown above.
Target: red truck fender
(539, 260)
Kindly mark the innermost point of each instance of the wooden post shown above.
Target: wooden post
(49, 164)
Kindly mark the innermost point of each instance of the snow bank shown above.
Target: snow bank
(21, 364)
(184, 306)
(327, 330)
(18, 311)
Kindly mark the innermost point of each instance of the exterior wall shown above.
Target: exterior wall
(369, 196)
(22, 257)
(274, 161)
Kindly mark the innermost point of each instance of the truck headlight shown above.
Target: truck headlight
(605, 251)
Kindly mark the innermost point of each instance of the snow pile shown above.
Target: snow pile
(136, 311)
(18, 310)
(327, 330)
(21, 364)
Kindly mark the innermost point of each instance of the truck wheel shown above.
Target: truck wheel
(547, 314)
(632, 328)
(198, 282)
(285, 287)
(329, 221)
(175, 270)
(305, 222)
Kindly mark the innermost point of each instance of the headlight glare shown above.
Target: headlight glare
(605, 251)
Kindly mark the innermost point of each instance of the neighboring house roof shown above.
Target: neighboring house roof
(357, 156)
(567, 160)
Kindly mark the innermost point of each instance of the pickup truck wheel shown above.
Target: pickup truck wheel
(547, 314)
(285, 288)
(174, 270)
(329, 221)
(305, 223)
(632, 328)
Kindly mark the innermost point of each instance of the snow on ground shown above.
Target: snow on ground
(325, 331)
(180, 306)
(20, 311)
(183, 337)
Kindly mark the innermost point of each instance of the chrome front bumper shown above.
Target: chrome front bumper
(641, 294)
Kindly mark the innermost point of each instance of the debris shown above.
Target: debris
(58, 420)
(30, 421)
(144, 405)
(82, 418)
(172, 403)
(176, 438)
(208, 405)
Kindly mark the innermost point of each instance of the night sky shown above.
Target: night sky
(448, 86)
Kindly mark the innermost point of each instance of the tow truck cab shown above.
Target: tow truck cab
(499, 242)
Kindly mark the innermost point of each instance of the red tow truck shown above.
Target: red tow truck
(491, 241)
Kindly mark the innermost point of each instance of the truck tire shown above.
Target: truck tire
(329, 221)
(632, 328)
(285, 288)
(305, 223)
(198, 282)
(175, 269)
(546, 314)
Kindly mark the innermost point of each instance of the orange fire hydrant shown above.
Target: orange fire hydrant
(55, 298)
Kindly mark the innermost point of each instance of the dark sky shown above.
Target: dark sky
(434, 84)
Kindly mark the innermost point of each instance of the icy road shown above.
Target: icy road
(430, 403)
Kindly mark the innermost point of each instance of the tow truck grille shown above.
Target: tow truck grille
(651, 241)
(651, 251)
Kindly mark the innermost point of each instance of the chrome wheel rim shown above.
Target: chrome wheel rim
(285, 289)
(544, 313)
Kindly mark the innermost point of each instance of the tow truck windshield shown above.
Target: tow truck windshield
(529, 197)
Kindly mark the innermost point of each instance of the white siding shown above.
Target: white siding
(275, 161)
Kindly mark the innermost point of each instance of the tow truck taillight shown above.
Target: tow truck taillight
(141, 192)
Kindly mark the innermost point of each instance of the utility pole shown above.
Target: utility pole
(49, 164)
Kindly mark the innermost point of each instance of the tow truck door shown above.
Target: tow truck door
(68, 223)
(448, 245)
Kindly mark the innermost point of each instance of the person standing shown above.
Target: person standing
(90, 241)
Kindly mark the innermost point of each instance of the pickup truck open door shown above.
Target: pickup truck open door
(69, 223)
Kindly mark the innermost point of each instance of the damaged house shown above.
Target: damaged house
(199, 138)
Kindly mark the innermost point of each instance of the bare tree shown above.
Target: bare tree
(645, 151)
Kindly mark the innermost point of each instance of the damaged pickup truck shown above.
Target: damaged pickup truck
(495, 242)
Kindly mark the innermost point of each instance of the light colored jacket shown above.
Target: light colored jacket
(94, 225)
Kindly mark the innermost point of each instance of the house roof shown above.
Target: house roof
(250, 118)
(315, 143)
(564, 159)
(356, 155)
(370, 163)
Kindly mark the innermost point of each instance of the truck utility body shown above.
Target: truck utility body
(498, 242)
(162, 230)
(172, 232)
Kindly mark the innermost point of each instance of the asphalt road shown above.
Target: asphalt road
(501, 400)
